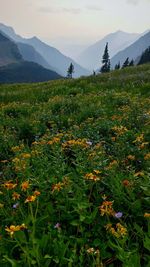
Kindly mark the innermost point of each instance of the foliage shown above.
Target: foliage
(75, 171)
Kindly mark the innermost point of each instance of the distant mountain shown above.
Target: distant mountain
(51, 55)
(91, 57)
(30, 54)
(133, 51)
(14, 69)
(9, 52)
(26, 72)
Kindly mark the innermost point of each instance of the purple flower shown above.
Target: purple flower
(57, 226)
(118, 215)
(15, 206)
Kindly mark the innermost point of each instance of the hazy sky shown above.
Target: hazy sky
(66, 22)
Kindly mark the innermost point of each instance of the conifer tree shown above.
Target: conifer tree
(131, 64)
(126, 63)
(145, 58)
(105, 60)
(117, 66)
(70, 71)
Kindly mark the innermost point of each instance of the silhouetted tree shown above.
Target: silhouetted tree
(126, 63)
(70, 71)
(145, 58)
(117, 66)
(131, 64)
(105, 60)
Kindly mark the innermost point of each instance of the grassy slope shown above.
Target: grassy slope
(110, 111)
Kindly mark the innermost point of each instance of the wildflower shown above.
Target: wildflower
(139, 138)
(91, 176)
(126, 182)
(15, 196)
(113, 138)
(1, 205)
(137, 174)
(30, 199)
(25, 185)
(15, 206)
(23, 227)
(112, 164)
(143, 145)
(147, 215)
(131, 157)
(36, 193)
(12, 229)
(57, 226)
(90, 250)
(121, 230)
(57, 187)
(89, 143)
(120, 129)
(118, 215)
(106, 208)
(9, 185)
(147, 156)
(25, 155)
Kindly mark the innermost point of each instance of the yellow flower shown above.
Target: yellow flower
(57, 187)
(25, 185)
(15, 196)
(106, 208)
(147, 215)
(30, 199)
(131, 157)
(9, 185)
(91, 176)
(25, 155)
(1, 205)
(137, 174)
(36, 193)
(139, 138)
(12, 229)
(147, 156)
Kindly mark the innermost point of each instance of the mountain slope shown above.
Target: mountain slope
(9, 52)
(133, 51)
(91, 57)
(26, 72)
(14, 69)
(51, 55)
(30, 54)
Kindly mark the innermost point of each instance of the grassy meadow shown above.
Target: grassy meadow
(75, 171)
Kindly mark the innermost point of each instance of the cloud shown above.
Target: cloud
(73, 11)
(133, 2)
(94, 8)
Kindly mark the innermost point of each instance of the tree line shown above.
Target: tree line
(106, 64)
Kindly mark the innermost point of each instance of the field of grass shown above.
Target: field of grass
(74, 177)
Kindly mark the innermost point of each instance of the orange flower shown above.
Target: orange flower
(30, 199)
(147, 215)
(106, 208)
(57, 187)
(131, 157)
(25, 185)
(9, 185)
(36, 193)
(15, 196)
(126, 182)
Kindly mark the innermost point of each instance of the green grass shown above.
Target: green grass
(84, 146)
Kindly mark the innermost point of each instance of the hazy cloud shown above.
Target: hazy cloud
(133, 2)
(73, 11)
(94, 8)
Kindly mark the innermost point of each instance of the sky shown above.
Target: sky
(74, 24)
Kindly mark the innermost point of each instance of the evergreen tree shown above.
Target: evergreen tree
(70, 71)
(131, 64)
(105, 60)
(126, 63)
(145, 58)
(117, 66)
